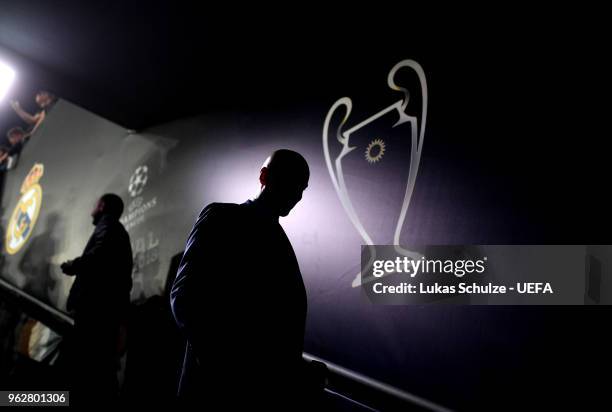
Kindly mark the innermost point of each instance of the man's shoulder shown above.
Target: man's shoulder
(110, 227)
(219, 208)
(220, 211)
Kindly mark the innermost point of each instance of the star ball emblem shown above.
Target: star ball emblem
(138, 180)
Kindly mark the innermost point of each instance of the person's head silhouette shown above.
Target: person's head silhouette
(16, 135)
(283, 177)
(110, 205)
(44, 99)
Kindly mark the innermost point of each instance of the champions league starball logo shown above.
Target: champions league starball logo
(138, 180)
(25, 215)
(138, 207)
(384, 167)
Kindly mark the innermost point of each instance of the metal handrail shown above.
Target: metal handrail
(377, 385)
(58, 318)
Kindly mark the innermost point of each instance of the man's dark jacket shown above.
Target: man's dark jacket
(99, 302)
(241, 302)
(103, 274)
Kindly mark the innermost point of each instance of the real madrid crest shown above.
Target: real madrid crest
(23, 218)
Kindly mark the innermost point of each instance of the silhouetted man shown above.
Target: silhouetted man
(240, 299)
(99, 301)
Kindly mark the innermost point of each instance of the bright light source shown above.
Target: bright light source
(6, 79)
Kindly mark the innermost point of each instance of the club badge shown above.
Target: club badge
(23, 218)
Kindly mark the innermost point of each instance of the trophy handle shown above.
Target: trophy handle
(338, 179)
(347, 103)
(417, 138)
(414, 65)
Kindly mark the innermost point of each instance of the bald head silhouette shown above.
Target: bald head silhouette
(283, 177)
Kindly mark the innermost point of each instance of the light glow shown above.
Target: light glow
(7, 75)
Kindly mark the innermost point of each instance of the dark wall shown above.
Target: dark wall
(494, 169)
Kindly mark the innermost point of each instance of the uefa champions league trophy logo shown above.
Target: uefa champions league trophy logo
(407, 130)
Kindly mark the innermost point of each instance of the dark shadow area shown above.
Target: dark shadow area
(155, 349)
(36, 262)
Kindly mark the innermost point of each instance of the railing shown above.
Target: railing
(47, 314)
(371, 392)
